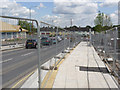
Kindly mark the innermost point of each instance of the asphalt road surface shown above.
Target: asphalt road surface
(18, 63)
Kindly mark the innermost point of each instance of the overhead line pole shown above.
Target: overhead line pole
(30, 24)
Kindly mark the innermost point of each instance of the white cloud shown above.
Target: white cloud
(114, 17)
(15, 9)
(51, 19)
(89, 1)
(111, 0)
(111, 4)
(82, 13)
(108, 4)
(41, 5)
(74, 7)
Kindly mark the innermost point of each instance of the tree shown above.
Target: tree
(107, 21)
(88, 26)
(99, 20)
(28, 26)
(98, 28)
(103, 22)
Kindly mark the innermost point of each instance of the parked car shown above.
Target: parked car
(72, 39)
(46, 41)
(31, 43)
(59, 38)
(62, 37)
(54, 40)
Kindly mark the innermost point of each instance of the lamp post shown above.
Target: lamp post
(30, 16)
(30, 21)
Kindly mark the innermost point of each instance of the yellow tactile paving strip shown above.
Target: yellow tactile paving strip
(51, 75)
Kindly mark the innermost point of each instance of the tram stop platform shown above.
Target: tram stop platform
(82, 69)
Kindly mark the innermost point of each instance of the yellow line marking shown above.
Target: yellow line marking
(51, 79)
(45, 79)
(22, 79)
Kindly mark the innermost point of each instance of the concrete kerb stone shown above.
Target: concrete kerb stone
(32, 80)
(12, 49)
(53, 74)
(49, 70)
(50, 64)
(59, 56)
(49, 73)
(5, 48)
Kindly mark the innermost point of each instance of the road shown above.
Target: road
(18, 63)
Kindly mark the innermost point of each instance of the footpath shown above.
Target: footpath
(82, 68)
(10, 47)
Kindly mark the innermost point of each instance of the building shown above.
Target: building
(10, 32)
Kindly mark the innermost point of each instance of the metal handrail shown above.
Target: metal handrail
(38, 35)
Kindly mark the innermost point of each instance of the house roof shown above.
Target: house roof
(6, 27)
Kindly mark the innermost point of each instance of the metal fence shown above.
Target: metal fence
(62, 40)
(52, 50)
(10, 32)
(13, 35)
(107, 44)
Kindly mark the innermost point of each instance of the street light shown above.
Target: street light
(31, 15)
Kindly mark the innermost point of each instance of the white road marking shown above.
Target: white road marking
(6, 60)
(13, 50)
(27, 54)
(44, 49)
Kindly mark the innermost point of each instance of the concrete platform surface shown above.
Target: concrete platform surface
(83, 68)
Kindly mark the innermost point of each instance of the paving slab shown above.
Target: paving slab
(82, 69)
(32, 81)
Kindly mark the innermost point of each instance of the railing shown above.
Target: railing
(59, 41)
(107, 44)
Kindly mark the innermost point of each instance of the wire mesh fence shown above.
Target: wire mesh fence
(51, 44)
(14, 36)
(12, 32)
(107, 44)
(58, 38)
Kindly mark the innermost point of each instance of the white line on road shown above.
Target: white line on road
(44, 48)
(6, 60)
(27, 54)
(13, 50)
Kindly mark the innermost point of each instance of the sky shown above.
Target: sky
(61, 12)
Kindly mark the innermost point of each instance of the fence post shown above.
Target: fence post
(56, 46)
(39, 56)
(64, 41)
(105, 41)
(73, 38)
(115, 46)
(90, 36)
(69, 40)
